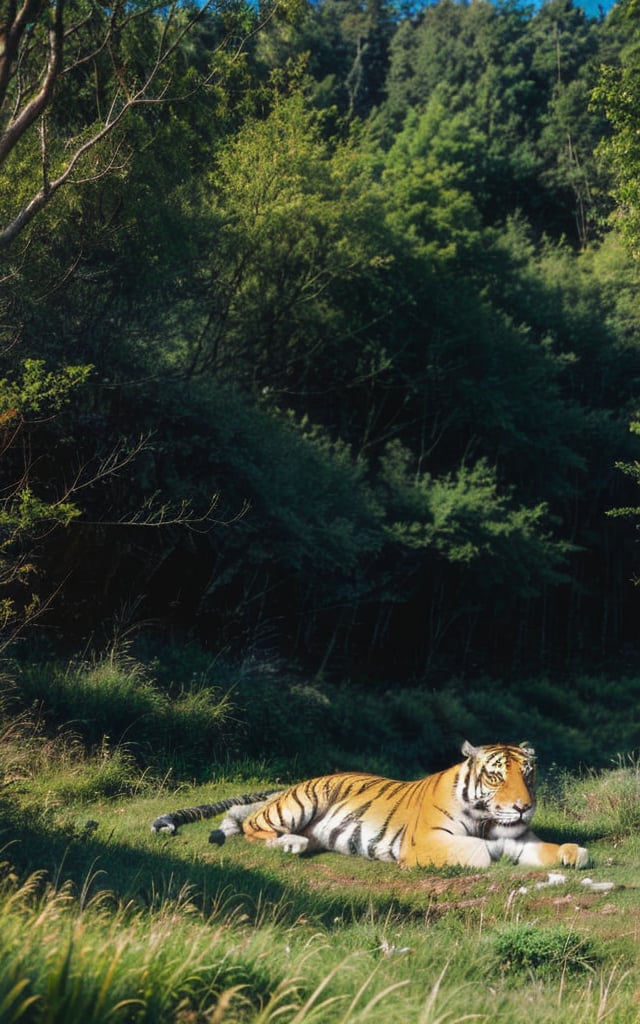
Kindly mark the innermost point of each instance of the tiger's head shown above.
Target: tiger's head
(497, 788)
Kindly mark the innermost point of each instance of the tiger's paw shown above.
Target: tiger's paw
(572, 855)
(289, 843)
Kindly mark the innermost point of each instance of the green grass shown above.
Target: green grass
(103, 921)
(107, 922)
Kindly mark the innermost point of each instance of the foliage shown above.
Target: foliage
(350, 272)
(519, 81)
(617, 93)
(544, 951)
(180, 709)
(114, 701)
(34, 395)
(73, 77)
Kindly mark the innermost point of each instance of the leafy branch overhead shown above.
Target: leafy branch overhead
(100, 63)
(33, 505)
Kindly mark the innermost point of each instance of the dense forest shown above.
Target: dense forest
(320, 332)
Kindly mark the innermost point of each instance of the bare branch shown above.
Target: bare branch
(35, 107)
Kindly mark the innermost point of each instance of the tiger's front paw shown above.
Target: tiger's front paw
(574, 856)
(289, 843)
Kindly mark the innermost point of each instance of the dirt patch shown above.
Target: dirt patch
(442, 895)
(328, 877)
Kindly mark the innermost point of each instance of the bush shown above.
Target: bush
(543, 951)
(116, 697)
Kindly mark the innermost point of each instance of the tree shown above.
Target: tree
(618, 94)
(520, 79)
(86, 91)
(345, 46)
(71, 73)
(296, 230)
(25, 515)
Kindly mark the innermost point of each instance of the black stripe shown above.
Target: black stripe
(465, 788)
(188, 815)
(386, 785)
(334, 835)
(446, 813)
(294, 796)
(355, 842)
(398, 835)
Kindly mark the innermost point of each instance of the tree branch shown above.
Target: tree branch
(35, 107)
(128, 94)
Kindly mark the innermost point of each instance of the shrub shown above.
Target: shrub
(543, 951)
(116, 697)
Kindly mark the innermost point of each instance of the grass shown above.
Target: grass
(103, 921)
(111, 923)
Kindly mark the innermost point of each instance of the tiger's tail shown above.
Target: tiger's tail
(170, 823)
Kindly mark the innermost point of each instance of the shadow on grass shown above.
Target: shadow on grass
(149, 878)
(581, 833)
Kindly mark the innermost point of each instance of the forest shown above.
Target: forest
(319, 451)
(320, 336)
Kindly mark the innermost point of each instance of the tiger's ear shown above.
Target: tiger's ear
(469, 751)
(528, 749)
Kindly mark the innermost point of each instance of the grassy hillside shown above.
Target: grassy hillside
(103, 921)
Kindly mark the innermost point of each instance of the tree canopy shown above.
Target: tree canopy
(353, 274)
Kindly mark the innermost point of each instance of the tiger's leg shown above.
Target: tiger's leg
(282, 822)
(437, 849)
(533, 852)
(290, 843)
(231, 824)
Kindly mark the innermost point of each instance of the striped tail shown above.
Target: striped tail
(171, 822)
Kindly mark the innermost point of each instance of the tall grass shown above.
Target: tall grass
(93, 965)
(189, 710)
(63, 962)
(115, 699)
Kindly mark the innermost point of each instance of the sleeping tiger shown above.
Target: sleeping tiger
(470, 814)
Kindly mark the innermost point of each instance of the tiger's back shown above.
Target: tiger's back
(351, 812)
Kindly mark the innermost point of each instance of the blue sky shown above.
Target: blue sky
(593, 7)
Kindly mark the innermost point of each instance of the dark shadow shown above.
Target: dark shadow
(580, 833)
(145, 878)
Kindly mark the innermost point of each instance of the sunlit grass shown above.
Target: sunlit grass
(69, 960)
(170, 950)
(103, 921)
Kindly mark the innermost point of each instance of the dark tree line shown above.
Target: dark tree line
(329, 345)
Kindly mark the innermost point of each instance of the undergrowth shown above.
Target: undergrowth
(547, 951)
(189, 711)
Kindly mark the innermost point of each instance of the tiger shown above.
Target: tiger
(469, 815)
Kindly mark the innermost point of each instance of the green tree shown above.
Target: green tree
(101, 120)
(27, 514)
(345, 45)
(618, 94)
(296, 230)
(520, 78)
(71, 75)
(459, 543)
